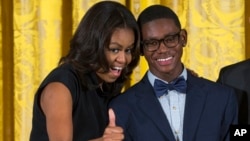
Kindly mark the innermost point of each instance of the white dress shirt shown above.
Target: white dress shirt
(173, 105)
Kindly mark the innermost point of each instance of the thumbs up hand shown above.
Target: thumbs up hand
(113, 132)
(111, 118)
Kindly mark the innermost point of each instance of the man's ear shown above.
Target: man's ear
(183, 37)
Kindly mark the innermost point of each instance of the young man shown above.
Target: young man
(192, 109)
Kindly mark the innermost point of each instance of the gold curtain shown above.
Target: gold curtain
(36, 33)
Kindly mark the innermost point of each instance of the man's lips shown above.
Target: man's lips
(165, 61)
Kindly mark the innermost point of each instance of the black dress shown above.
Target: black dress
(89, 107)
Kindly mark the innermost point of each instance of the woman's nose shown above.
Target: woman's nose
(121, 58)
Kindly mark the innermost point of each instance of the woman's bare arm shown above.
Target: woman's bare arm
(56, 103)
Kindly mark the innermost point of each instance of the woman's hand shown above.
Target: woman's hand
(112, 132)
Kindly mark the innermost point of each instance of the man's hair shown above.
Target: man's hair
(157, 12)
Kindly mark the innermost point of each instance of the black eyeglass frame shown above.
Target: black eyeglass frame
(174, 36)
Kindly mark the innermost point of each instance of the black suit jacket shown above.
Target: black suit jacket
(238, 76)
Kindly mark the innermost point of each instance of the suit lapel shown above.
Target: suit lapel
(150, 106)
(195, 101)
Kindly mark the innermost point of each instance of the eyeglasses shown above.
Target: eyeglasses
(169, 41)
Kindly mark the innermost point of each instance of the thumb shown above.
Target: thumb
(111, 118)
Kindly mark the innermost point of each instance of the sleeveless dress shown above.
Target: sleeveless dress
(89, 107)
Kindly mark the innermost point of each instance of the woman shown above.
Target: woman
(71, 103)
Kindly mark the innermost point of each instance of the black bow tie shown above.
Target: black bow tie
(161, 87)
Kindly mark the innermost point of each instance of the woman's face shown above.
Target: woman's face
(118, 54)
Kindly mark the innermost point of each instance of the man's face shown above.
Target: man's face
(167, 39)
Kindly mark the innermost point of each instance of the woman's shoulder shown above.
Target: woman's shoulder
(64, 74)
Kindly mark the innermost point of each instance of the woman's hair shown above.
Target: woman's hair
(93, 35)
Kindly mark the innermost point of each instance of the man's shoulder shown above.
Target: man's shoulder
(239, 65)
(202, 82)
(136, 87)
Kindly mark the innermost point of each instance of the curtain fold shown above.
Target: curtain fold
(37, 48)
(216, 35)
(7, 71)
(36, 33)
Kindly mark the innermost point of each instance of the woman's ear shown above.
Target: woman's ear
(141, 50)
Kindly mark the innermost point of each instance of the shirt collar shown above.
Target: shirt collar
(152, 77)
